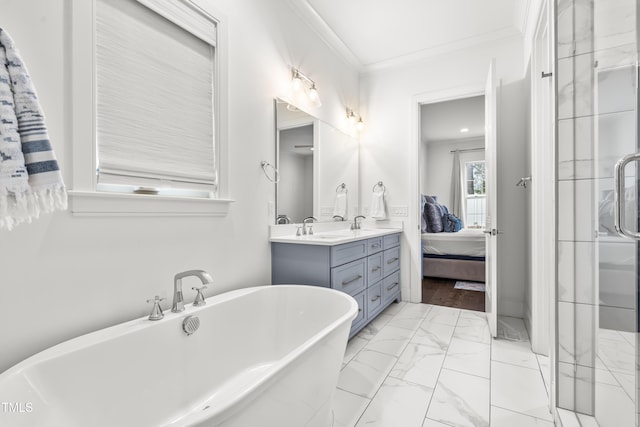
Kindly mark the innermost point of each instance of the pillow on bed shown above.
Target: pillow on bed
(443, 209)
(431, 199)
(451, 223)
(433, 216)
(423, 217)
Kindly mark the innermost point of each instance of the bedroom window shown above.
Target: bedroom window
(475, 196)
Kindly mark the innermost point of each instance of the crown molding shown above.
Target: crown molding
(313, 20)
(504, 34)
(318, 25)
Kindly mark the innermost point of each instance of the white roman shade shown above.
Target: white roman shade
(154, 87)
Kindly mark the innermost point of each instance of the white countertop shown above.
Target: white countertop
(330, 234)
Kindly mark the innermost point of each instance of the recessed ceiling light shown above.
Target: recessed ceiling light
(464, 130)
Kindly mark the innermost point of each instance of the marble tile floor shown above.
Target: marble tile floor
(421, 365)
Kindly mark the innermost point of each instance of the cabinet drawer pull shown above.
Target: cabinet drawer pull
(392, 260)
(375, 246)
(392, 286)
(375, 299)
(346, 282)
(376, 268)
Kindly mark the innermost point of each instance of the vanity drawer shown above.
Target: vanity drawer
(374, 268)
(374, 298)
(342, 254)
(374, 245)
(391, 287)
(391, 260)
(349, 278)
(361, 316)
(391, 241)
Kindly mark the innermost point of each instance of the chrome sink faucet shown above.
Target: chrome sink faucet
(178, 301)
(308, 231)
(356, 224)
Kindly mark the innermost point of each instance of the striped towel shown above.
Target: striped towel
(30, 179)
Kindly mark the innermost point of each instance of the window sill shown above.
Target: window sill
(87, 203)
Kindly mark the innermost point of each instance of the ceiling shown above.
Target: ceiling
(381, 32)
(442, 121)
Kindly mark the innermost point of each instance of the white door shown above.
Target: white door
(491, 222)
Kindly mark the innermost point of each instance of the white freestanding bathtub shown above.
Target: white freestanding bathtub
(264, 356)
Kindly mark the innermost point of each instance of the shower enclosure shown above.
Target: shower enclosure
(598, 163)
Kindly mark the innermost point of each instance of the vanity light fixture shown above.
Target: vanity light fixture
(313, 94)
(464, 130)
(296, 81)
(297, 84)
(351, 117)
(354, 120)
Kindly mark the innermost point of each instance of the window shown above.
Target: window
(154, 89)
(155, 120)
(475, 198)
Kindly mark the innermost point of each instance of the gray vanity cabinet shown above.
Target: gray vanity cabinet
(367, 269)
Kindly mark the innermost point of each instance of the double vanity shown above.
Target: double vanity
(319, 167)
(362, 263)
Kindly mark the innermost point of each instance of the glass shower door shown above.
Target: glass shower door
(615, 124)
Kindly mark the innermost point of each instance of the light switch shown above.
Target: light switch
(326, 211)
(399, 210)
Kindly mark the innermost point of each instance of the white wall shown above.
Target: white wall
(440, 164)
(63, 276)
(389, 143)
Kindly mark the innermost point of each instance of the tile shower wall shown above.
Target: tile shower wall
(596, 54)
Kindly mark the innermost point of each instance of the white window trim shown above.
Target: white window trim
(84, 199)
(471, 196)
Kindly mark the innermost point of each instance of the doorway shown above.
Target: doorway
(452, 187)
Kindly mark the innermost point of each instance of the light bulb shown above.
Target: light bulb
(313, 95)
(352, 119)
(360, 124)
(296, 82)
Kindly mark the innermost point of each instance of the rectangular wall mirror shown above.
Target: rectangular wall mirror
(318, 168)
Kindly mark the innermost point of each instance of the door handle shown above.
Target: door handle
(619, 197)
(493, 232)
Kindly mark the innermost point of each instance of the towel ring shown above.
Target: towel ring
(342, 187)
(379, 184)
(276, 177)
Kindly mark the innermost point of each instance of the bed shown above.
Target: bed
(459, 255)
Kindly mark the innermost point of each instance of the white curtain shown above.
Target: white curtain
(457, 205)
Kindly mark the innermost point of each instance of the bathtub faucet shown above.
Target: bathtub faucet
(178, 301)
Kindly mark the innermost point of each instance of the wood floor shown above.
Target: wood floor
(438, 291)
